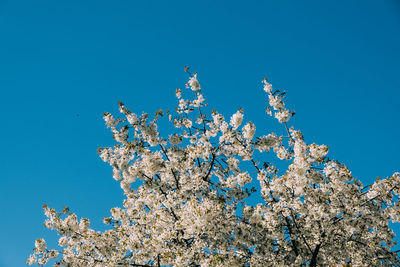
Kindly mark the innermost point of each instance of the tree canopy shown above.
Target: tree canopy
(190, 205)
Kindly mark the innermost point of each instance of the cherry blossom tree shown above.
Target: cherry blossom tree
(191, 206)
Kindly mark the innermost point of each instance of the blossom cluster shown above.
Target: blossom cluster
(191, 209)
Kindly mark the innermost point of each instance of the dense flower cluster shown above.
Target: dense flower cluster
(191, 210)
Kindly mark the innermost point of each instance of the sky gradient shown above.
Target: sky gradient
(63, 63)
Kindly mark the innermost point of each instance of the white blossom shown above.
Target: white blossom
(132, 118)
(63, 241)
(249, 130)
(283, 116)
(276, 102)
(236, 119)
(267, 86)
(198, 101)
(32, 259)
(243, 178)
(40, 244)
(318, 152)
(194, 83)
(84, 225)
(266, 142)
(175, 139)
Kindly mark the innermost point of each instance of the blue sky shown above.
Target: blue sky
(63, 63)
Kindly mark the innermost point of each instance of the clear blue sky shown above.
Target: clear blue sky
(63, 63)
